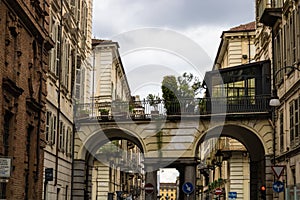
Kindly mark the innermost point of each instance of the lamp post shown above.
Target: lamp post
(274, 102)
(219, 158)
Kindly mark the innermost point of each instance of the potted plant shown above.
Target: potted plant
(154, 101)
(104, 113)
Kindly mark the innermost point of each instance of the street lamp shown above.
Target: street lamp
(274, 102)
(219, 157)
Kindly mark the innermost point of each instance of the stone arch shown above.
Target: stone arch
(233, 130)
(85, 154)
(99, 137)
(257, 144)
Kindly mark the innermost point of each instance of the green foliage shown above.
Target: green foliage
(176, 91)
(188, 85)
(104, 111)
(169, 93)
(153, 100)
(110, 147)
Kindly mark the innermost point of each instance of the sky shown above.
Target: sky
(167, 37)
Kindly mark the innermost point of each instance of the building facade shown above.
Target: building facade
(236, 48)
(168, 191)
(279, 34)
(24, 56)
(116, 171)
(67, 84)
(110, 81)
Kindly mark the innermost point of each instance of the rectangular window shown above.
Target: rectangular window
(48, 119)
(293, 32)
(6, 134)
(296, 102)
(60, 142)
(292, 124)
(54, 128)
(281, 133)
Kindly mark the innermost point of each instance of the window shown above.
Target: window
(281, 133)
(54, 54)
(6, 133)
(54, 128)
(62, 132)
(48, 119)
(293, 36)
(50, 128)
(69, 141)
(278, 57)
(294, 122)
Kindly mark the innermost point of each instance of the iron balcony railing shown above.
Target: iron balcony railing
(179, 107)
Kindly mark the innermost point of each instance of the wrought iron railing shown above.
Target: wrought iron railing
(179, 107)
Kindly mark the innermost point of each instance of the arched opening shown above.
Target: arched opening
(248, 158)
(112, 166)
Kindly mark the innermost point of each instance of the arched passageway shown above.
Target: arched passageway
(109, 165)
(255, 149)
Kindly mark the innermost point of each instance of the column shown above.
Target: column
(190, 176)
(78, 180)
(151, 177)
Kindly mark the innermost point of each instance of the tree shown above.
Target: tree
(169, 93)
(188, 85)
(153, 101)
(179, 93)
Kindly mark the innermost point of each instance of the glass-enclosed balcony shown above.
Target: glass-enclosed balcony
(268, 11)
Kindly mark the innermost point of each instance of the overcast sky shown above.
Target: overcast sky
(186, 21)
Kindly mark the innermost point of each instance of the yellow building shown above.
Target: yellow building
(168, 191)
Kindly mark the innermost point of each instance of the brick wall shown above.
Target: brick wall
(23, 66)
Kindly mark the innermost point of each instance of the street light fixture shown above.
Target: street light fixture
(275, 102)
(219, 157)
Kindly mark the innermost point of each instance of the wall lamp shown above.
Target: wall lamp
(275, 102)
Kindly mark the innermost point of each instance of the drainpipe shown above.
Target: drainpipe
(39, 115)
(73, 150)
(249, 47)
(58, 98)
(274, 86)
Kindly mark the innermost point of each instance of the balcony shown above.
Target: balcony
(177, 108)
(269, 11)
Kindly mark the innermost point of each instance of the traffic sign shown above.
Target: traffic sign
(188, 188)
(218, 191)
(149, 188)
(278, 170)
(278, 186)
(232, 195)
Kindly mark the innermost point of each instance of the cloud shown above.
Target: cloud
(115, 16)
(168, 175)
(157, 52)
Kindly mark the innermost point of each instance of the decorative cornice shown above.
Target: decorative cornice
(11, 87)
